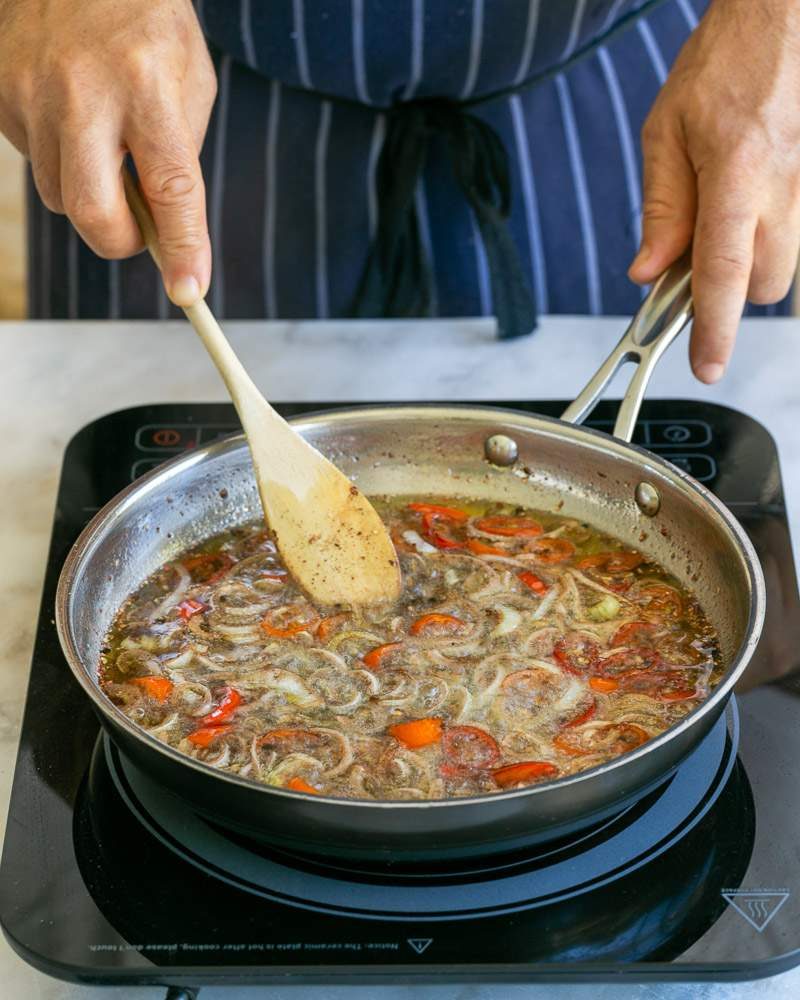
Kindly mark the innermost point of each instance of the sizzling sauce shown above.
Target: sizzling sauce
(525, 647)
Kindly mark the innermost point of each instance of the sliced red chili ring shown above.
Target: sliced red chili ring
(374, 657)
(208, 567)
(626, 736)
(436, 622)
(509, 527)
(470, 747)
(578, 654)
(157, 688)
(659, 600)
(436, 537)
(664, 685)
(639, 633)
(188, 608)
(417, 732)
(283, 623)
(579, 720)
(226, 706)
(533, 582)
(524, 773)
(205, 735)
(480, 548)
(551, 550)
(436, 510)
(640, 658)
(300, 785)
(612, 562)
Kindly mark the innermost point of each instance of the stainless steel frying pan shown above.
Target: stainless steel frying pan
(470, 451)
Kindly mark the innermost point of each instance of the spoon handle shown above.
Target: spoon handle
(238, 382)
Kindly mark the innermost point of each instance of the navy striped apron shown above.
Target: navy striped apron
(291, 161)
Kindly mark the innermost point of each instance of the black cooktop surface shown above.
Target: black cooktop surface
(105, 879)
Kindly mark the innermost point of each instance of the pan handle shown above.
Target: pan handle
(661, 317)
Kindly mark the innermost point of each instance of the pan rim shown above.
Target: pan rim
(469, 412)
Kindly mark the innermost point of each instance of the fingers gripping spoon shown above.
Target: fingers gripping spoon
(328, 534)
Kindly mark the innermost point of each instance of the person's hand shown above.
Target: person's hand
(722, 167)
(82, 82)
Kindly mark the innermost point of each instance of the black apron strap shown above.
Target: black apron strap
(397, 278)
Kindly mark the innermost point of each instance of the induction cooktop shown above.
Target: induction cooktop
(105, 878)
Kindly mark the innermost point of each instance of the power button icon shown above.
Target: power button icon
(677, 434)
(166, 437)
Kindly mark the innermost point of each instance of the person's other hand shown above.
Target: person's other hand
(722, 167)
(83, 82)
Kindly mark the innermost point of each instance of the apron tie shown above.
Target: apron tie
(397, 278)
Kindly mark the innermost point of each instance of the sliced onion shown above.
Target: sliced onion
(546, 603)
(345, 748)
(462, 703)
(162, 727)
(341, 691)
(250, 608)
(289, 684)
(487, 679)
(594, 585)
(354, 634)
(510, 619)
(196, 698)
(291, 765)
(416, 540)
(372, 682)
(236, 634)
(356, 779)
(175, 596)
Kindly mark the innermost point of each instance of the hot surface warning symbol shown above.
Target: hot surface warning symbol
(757, 906)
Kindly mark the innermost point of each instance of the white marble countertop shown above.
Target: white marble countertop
(59, 376)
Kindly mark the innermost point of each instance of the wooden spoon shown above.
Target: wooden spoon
(328, 534)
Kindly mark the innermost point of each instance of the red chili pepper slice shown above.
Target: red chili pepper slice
(550, 551)
(417, 732)
(577, 654)
(283, 623)
(470, 747)
(524, 773)
(583, 717)
(299, 785)
(328, 626)
(480, 548)
(638, 633)
(274, 575)
(157, 688)
(509, 527)
(528, 681)
(626, 736)
(533, 582)
(437, 538)
(374, 657)
(226, 706)
(208, 567)
(435, 510)
(605, 685)
(664, 685)
(187, 609)
(612, 562)
(640, 658)
(659, 600)
(206, 735)
(436, 622)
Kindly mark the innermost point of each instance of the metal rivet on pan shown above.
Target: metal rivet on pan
(647, 499)
(501, 449)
